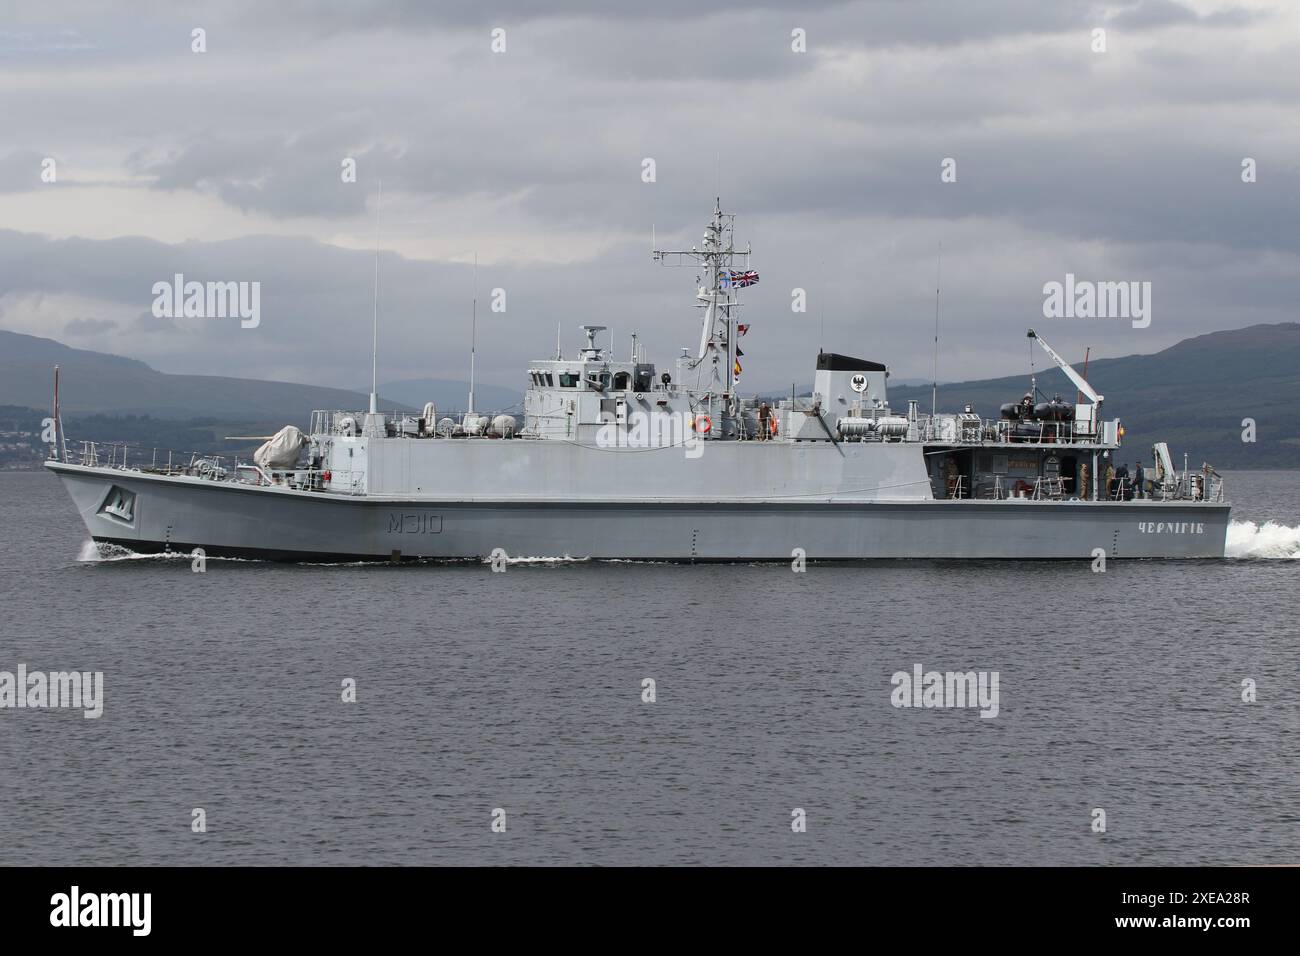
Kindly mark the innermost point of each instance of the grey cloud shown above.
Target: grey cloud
(878, 22)
(18, 44)
(1147, 14)
(146, 323)
(533, 124)
(1151, 13)
(284, 175)
(84, 327)
(1128, 164)
(21, 171)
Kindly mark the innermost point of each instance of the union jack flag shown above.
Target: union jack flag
(746, 278)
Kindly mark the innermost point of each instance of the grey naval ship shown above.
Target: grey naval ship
(619, 459)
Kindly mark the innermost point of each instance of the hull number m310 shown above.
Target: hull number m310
(414, 523)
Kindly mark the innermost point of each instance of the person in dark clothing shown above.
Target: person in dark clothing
(764, 421)
(1123, 490)
(1140, 481)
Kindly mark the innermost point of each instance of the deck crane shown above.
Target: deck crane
(1085, 416)
(1086, 419)
(1079, 381)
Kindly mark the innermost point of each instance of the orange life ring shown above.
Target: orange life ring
(771, 425)
(703, 423)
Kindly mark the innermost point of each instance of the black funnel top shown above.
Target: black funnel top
(834, 362)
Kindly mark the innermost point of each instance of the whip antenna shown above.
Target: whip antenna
(938, 281)
(473, 335)
(374, 339)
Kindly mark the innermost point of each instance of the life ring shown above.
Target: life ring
(771, 426)
(703, 424)
(1022, 487)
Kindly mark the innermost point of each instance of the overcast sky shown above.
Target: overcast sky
(226, 166)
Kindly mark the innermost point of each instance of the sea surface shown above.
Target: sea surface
(522, 692)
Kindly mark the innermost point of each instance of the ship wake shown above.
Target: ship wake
(1268, 540)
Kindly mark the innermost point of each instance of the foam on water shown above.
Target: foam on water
(543, 559)
(95, 553)
(1269, 540)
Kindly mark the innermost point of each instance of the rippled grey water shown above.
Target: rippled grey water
(522, 691)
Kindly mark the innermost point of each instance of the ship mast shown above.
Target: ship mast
(716, 294)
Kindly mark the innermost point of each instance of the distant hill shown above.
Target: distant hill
(97, 383)
(1194, 395)
(911, 382)
(102, 384)
(450, 395)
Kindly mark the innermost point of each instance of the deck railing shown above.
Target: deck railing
(1000, 430)
(126, 456)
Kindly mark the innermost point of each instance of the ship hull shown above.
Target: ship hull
(180, 514)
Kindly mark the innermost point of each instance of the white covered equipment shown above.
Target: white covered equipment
(281, 450)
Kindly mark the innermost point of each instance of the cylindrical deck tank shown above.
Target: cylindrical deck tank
(1053, 412)
(887, 425)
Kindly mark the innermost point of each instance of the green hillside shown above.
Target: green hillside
(96, 383)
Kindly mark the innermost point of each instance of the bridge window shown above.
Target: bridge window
(568, 380)
(621, 381)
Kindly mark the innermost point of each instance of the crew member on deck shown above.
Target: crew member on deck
(764, 421)
(952, 479)
(1140, 482)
